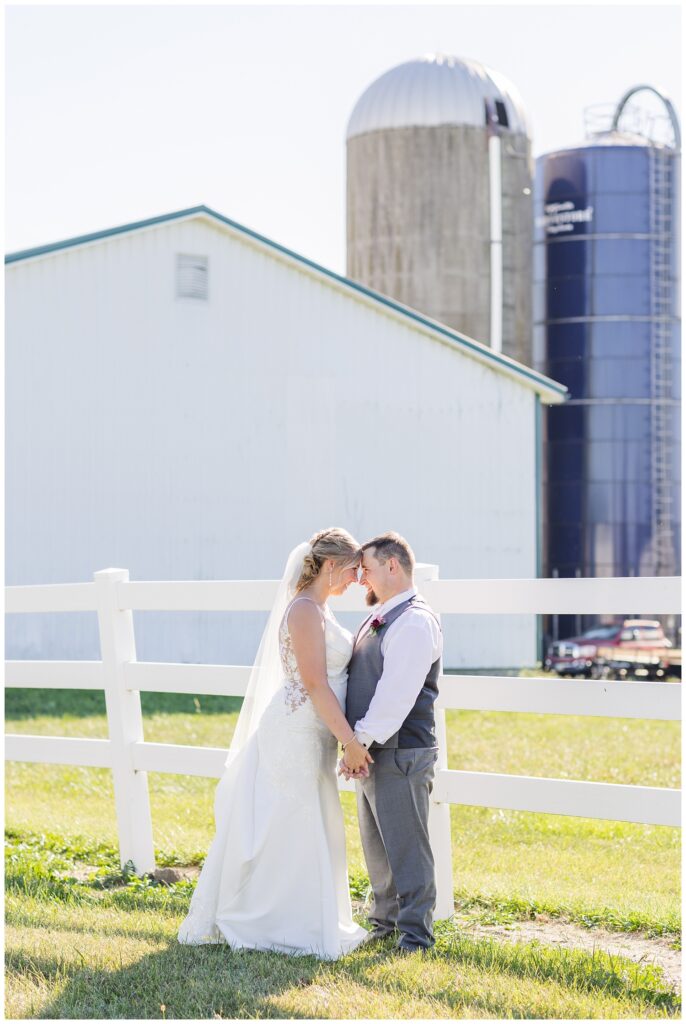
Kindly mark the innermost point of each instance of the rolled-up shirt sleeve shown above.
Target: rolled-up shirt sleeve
(408, 656)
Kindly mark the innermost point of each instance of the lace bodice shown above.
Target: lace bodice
(339, 647)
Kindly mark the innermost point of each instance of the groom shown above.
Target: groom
(392, 685)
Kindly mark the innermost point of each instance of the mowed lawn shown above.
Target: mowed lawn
(89, 949)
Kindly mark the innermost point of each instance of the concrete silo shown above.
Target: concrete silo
(607, 326)
(439, 203)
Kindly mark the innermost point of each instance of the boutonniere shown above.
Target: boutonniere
(377, 624)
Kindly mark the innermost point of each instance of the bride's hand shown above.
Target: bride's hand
(356, 756)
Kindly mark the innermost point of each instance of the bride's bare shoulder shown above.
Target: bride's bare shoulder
(303, 613)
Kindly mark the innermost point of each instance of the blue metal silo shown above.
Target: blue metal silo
(607, 325)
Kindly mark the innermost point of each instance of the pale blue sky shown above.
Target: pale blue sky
(120, 113)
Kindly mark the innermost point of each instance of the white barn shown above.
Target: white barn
(187, 399)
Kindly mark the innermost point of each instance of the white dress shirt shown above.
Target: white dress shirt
(409, 646)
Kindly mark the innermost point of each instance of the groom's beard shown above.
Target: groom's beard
(371, 598)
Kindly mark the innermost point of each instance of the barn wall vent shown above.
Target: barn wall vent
(191, 277)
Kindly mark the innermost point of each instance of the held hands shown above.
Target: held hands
(363, 773)
(355, 761)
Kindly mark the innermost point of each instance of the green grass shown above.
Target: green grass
(105, 947)
(507, 865)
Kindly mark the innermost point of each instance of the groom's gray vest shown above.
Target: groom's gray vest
(364, 672)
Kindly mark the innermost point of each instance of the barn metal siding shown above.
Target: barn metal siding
(184, 439)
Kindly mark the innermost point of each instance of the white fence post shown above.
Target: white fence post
(125, 724)
(440, 834)
(439, 813)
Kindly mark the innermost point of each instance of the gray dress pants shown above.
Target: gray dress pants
(393, 812)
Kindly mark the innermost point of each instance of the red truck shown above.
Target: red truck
(642, 640)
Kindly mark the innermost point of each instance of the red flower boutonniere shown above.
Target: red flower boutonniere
(377, 624)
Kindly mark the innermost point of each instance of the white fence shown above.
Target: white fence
(122, 678)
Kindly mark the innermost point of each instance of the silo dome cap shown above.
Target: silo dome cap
(438, 89)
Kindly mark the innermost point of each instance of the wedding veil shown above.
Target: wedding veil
(266, 674)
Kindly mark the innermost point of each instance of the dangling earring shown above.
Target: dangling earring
(330, 575)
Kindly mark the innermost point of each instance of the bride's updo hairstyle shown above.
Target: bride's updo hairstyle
(335, 543)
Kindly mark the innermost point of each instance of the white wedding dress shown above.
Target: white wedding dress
(276, 876)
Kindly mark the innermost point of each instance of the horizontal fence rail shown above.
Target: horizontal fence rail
(646, 805)
(67, 675)
(161, 677)
(51, 597)
(604, 699)
(658, 595)
(113, 597)
(58, 750)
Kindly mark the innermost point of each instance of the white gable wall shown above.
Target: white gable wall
(191, 440)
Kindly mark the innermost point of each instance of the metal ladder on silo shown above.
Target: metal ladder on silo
(661, 285)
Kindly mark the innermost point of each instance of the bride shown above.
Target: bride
(275, 876)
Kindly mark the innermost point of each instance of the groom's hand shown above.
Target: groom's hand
(343, 770)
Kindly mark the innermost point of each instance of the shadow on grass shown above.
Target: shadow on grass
(179, 981)
(30, 920)
(214, 981)
(21, 704)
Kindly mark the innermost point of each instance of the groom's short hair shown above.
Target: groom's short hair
(392, 545)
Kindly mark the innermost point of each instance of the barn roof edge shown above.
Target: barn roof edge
(545, 384)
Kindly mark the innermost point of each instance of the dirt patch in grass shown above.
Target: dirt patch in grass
(549, 931)
(632, 945)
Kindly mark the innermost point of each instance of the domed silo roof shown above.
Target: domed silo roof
(438, 89)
